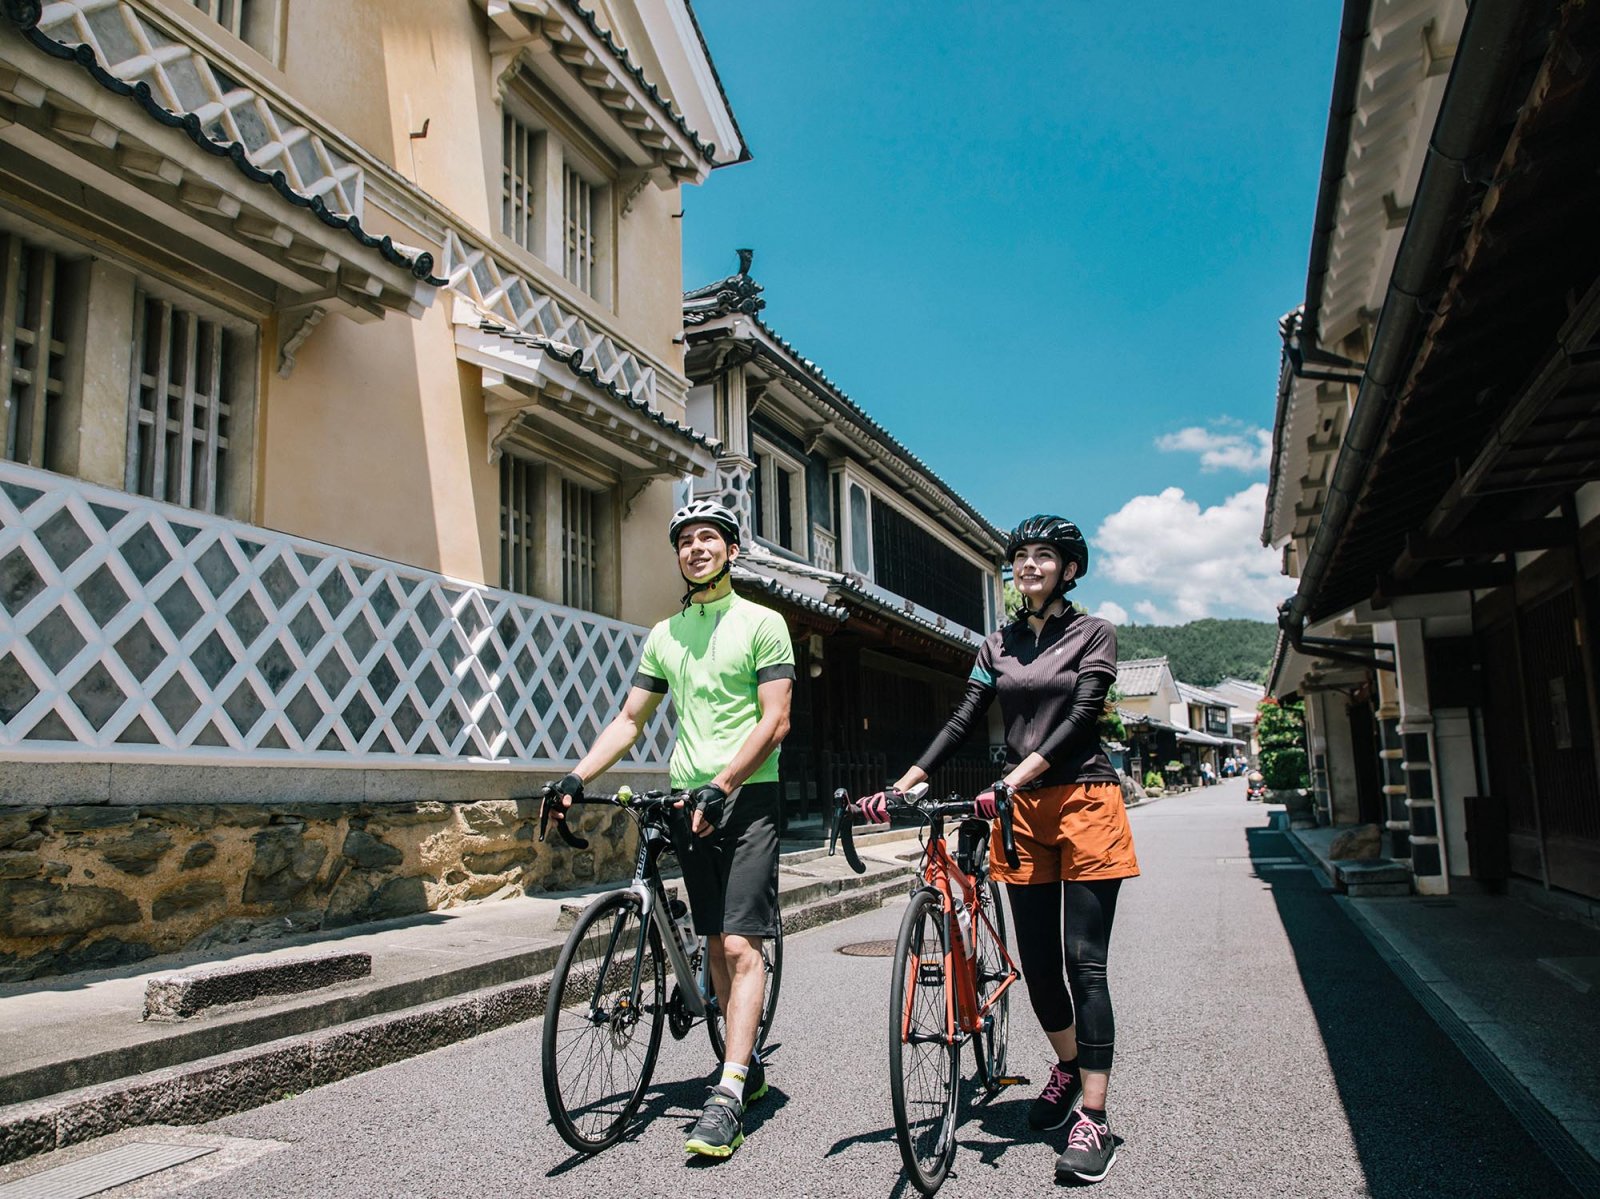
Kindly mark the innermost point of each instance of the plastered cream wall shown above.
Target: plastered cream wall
(377, 442)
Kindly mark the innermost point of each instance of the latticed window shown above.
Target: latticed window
(33, 307)
(578, 211)
(520, 485)
(232, 15)
(179, 423)
(519, 182)
(580, 546)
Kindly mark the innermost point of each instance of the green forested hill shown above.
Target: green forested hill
(1204, 651)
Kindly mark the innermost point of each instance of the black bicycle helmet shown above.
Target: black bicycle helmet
(1060, 535)
(704, 512)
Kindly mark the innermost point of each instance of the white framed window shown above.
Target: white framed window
(36, 297)
(180, 405)
(556, 193)
(780, 498)
(578, 228)
(557, 532)
(254, 22)
(520, 491)
(520, 169)
(580, 545)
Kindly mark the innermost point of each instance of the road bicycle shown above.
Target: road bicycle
(952, 975)
(608, 998)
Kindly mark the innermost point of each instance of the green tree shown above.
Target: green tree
(1204, 652)
(1281, 730)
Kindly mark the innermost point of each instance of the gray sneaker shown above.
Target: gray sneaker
(755, 1082)
(1090, 1151)
(720, 1128)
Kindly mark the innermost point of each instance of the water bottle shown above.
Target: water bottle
(679, 911)
(969, 943)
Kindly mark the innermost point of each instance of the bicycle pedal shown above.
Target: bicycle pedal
(1013, 1080)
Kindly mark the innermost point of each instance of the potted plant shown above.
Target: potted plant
(1154, 784)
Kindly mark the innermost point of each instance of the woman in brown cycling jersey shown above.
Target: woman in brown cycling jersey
(1051, 668)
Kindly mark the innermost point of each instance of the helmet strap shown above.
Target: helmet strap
(706, 585)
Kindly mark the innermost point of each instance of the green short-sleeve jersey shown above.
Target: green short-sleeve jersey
(712, 657)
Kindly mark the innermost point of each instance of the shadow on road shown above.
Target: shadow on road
(1423, 1120)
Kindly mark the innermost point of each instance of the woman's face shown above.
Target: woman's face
(1036, 569)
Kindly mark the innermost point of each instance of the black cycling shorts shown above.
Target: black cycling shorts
(731, 876)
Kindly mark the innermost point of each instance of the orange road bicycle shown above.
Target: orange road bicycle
(952, 975)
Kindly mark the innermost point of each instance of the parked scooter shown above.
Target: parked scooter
(1255, 787)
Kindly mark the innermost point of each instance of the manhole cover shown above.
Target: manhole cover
(868, 949)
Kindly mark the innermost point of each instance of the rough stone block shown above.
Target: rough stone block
(199, 854)
(140, 851)
(285, 864)
(25, 1131)
(20, 865)
(495, 863)
(16, 824)
(43, 909)
(369, 853)
(186, 897)
(110, 1109)
(177, 996)
(77, 819)
(248, 1082)
(1363, 842)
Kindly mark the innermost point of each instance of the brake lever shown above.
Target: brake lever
(545, 810)
(1008, 840)
(842, 829)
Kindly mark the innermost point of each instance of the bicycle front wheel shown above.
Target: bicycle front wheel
(772, 961)
(990, 1044)
(601, 1033)
(924, 1055)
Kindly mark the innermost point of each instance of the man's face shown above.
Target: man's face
(702, 552)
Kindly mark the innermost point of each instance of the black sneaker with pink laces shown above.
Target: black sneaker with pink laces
(1055, 1102)
(1090, 1151)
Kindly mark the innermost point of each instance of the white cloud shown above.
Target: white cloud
(1115, 613)
(1243, 449)
(1192, 562)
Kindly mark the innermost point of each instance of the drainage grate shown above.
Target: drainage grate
(91, 1175)
(857, 949)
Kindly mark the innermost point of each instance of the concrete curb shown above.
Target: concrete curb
(224, 1084)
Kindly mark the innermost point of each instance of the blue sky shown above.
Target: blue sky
(1046, 245)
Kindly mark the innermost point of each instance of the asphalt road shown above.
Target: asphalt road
(1263, 1049)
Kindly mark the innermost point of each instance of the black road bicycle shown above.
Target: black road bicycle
(608, 999)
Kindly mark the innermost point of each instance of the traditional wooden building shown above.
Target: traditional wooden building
(339, 348)
(889, 579)
(1436, 481)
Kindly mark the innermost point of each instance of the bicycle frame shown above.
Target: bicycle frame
(964, 1011)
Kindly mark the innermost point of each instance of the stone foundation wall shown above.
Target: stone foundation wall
(90, 886)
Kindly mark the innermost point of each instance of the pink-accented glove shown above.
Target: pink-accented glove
(874, 809)
(985, 805)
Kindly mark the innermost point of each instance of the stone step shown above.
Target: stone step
(189, 992)
(1378, 890)
(1374, 871)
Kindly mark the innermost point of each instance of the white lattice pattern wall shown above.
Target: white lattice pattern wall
(137, 631)
(496, 289)
(183, 80)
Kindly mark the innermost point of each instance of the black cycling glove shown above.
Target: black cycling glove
(570, 787)
(711, 801)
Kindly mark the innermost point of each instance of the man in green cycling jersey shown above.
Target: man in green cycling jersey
(729, 665)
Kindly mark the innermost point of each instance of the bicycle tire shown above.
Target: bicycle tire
(592, 1026)
(772, 960)
(924, 1074)
(989, 1046)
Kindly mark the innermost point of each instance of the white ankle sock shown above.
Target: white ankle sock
(733, 1077)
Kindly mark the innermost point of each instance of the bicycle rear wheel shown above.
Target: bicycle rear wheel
(600, 1038)
(989, 1046)
(924, 1056)
(772, 959)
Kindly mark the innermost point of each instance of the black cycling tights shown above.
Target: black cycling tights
(1040, 912)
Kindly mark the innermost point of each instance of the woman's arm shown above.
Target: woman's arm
(967, 713)
(1081, 723)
